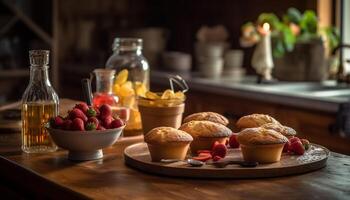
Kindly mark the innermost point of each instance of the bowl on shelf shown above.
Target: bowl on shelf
(85, 145)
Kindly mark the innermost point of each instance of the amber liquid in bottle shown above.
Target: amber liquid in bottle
(35, 137)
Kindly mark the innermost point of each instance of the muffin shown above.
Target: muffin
(284, 130)
(261, 145)
(205, 133)
(207, 116)
(167, 143)
(255, 120)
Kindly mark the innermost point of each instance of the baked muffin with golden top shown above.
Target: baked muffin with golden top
(255, 120)
(167, 143)
(205, 133)
(261, 145)
(207, 116)
(284, 130)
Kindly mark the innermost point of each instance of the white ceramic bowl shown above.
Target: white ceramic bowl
(85, 145)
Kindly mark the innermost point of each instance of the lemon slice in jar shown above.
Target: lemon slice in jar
(122, 77)
(168, 94)
(151, 95)
(140, 89)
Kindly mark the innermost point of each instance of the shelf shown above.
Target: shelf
(10, 73)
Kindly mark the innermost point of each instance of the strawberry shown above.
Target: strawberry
(77, 113)
(90, 126)
(214, 144)
(306, 144)
(203, 151)
(100, 127)
(216, 158)
(105, 111)
(93, 120)
(219, 150)
(116, 123)
(294, 139)
(204, 154)
(202, 158)
(297, 147)
(286, 146)
(233, 141)
(67, 124)
(91, 112)
(106, 122)
(82, 106)
(78, 125)
(56, 122)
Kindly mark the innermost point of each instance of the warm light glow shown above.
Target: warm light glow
(266, 27)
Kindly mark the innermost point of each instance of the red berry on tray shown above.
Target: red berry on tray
(306, 144)
(233, 141)
(294, 139)
(219, 150)
(67, 124)
(82, 106)
(203, 157)
(116, 123)
(214, 144)
(105, 111)
(216, 158)
(77, 125)
(286, 147)
(203, 151)
(297, 147)
(77, 113)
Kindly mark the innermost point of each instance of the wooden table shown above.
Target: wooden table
(53, 176)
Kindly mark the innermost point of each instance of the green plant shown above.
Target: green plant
(294, 27)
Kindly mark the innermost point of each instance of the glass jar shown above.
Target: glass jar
(39, 104)
(127, 54)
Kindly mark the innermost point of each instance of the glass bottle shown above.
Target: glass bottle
(104, 85)
(127, 54)
(39, 104)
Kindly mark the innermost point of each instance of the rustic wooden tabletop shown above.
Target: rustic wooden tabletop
(53, 176)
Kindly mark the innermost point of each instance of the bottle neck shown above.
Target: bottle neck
(121, 51)
(39, 74)
(104, 85)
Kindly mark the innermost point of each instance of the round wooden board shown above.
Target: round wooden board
(137, 156)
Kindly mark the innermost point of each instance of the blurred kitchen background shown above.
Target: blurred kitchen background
(308, 91)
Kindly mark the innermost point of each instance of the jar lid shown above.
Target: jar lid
(39, 57)
(127, 44)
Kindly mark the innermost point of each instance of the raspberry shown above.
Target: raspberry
(216, 158)
(233, 141)
(219, 150)
(286, 147)
(297, 147)
(294, 139)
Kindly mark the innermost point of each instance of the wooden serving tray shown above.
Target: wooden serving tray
(137, 156)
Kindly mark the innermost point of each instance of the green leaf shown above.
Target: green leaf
(293, 15)
(308, 22)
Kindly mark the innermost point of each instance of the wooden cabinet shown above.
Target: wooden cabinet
(310, 124)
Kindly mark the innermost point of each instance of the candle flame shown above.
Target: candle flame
(266, 26)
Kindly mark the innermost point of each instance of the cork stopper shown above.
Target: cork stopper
(39, 57)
